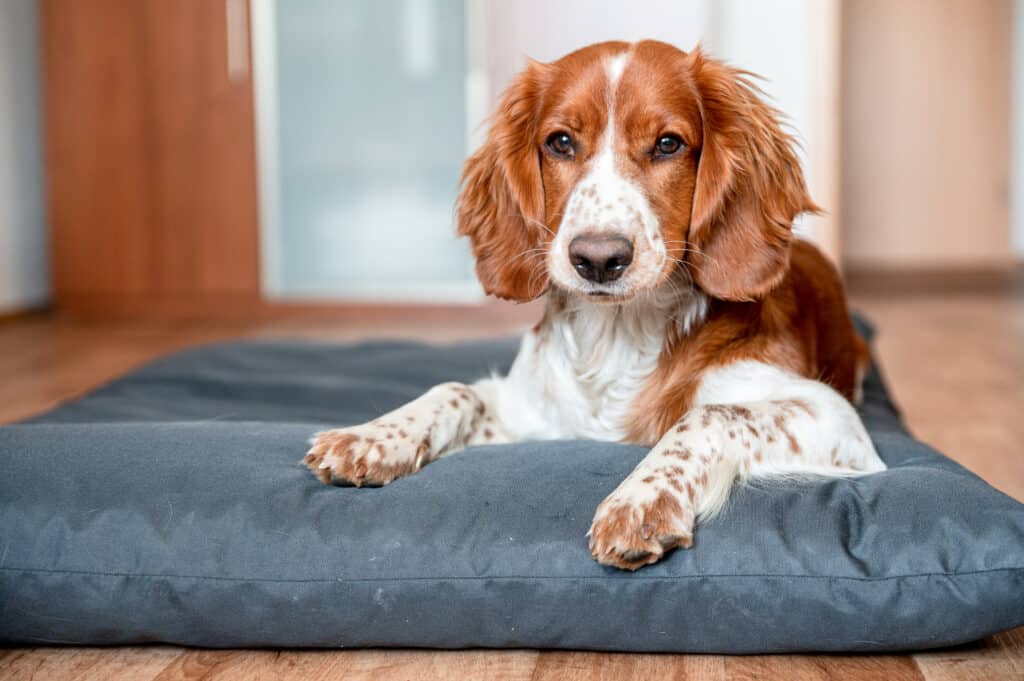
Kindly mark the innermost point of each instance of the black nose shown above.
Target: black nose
(600, 258)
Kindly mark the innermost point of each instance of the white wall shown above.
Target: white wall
(1017, 133)
(793, 45)
(23, 261)
(546, 30)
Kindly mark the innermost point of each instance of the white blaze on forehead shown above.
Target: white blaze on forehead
(605, 202)
(613, 67)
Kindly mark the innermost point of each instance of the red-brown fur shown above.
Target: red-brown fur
(725, 207)
(801, 325)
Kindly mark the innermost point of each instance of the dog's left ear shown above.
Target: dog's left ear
(749, 187)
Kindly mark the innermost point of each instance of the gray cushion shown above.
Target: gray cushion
(171, 506)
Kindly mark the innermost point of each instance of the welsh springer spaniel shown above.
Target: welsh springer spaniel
(649, 193)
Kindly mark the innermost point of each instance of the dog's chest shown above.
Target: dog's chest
(580, 373)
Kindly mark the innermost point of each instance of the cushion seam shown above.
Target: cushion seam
(357, 580)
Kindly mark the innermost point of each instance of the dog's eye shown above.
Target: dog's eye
(561, 144)
(667, 145)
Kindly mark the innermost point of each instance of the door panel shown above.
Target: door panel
(97, 154)
(151, 155)
(204, 178)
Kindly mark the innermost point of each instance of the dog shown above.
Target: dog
(649, 195)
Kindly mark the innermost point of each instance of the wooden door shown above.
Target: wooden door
(926, 134)
(151, 156)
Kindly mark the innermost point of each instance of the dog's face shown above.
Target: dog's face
(609, 170)
(618, 140)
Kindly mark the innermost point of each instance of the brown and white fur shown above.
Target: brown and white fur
(649, 194)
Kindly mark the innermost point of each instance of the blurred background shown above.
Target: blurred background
(201, 158)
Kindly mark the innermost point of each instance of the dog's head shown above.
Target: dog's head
(607, 170)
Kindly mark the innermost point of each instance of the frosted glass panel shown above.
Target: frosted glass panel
(366, 114)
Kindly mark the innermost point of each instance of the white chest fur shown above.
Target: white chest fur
(579, 373)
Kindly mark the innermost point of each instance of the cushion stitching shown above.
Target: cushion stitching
(660, 578)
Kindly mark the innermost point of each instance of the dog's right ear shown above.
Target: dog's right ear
(501, 201)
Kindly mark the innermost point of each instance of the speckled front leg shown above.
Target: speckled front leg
(447, 418)
(690, 471)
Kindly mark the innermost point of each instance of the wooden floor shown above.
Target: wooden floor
(955, 364)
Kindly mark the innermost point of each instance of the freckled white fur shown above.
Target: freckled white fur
(440, 417)
(834, 429)
(605, 202)
(835, 422)
(789, 426)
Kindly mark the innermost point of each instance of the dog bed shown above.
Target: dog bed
(170, 506)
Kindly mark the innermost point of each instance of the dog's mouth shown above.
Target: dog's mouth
(615, 294)
(610, 298)
(610, 293)
(643, 280)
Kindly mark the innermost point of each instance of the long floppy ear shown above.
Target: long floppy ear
(501, 202)
(749, 187)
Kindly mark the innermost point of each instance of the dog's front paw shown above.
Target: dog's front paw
(638, 524)
(374, 453)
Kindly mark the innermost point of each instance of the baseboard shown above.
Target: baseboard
(24, 313)
(247, 308)
(860, 281)
(894, 281)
